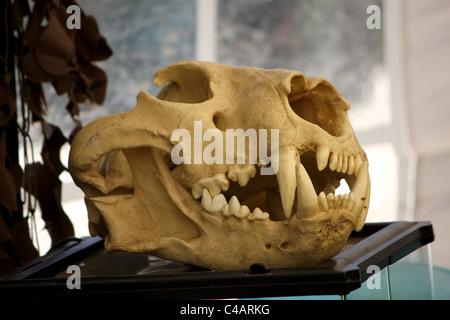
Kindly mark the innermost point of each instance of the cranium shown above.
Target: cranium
(225, 216)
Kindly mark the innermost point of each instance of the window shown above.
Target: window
(326, 38)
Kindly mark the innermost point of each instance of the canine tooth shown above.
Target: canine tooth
(241, 175)
(286, 178)
(258, 214)
(214, 184)
(351, 165)
(217, 203)
(307, 204)
(333, 161)
(323, 201)
(322, 155)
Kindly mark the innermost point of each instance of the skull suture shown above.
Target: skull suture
(225, 216)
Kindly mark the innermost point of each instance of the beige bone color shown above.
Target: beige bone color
(225, 216)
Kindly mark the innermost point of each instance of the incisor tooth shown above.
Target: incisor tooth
(307, 203)
(288, 158)
(339, 163)
(322, 154)
(344, 164)
(338, 201)
(345, 201)
(330, 200)
(333, 161)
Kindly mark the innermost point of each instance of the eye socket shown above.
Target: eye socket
(315, 107)
(186, 83)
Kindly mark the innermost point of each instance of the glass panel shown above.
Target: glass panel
(410, 278)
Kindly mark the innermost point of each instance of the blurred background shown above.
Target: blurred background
(396, 78)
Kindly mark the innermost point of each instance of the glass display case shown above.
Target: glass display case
(398, 250)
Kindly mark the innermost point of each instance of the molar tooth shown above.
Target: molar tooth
(323, 202)
(351, 165)
(258, 214)
(234, 205)
(333, 161)
(307, 203)
(226, 210)
(322, 155)
(288, 158)
(218, 202)
(241, 174)
(206, 200)
(213, 205)
(244, 211)
(214, 184)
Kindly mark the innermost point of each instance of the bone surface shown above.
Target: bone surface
(226, 214)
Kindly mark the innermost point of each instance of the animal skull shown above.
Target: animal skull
(225, 216)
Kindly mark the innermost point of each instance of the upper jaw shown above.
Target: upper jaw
(303, 187)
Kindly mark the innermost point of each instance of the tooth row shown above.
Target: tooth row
(334, 202)
(337, 161)
(218, 204)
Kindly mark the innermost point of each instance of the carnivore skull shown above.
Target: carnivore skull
(225, 215)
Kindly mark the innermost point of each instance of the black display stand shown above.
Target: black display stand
(139, 276)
